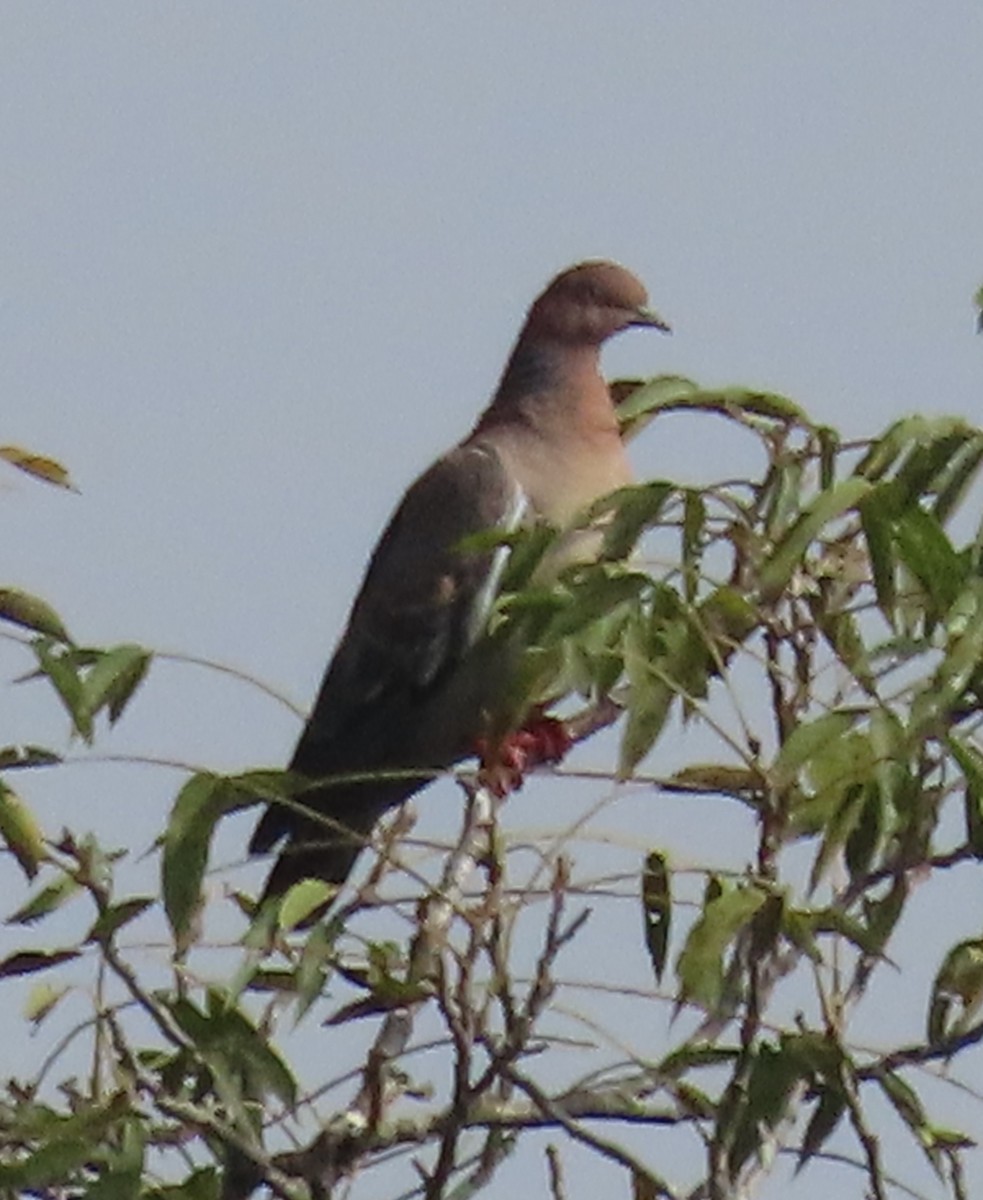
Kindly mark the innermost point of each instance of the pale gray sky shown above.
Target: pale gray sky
(259, 263)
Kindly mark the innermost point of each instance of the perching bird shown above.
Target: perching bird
(413, 685)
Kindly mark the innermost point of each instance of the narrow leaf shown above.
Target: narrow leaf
(700, 964)
(47, 900)
(656, 910)
(36, 465)
(971, 764)
(639, 404)
(14, 757)
(113, 679)
(876, 521)
(21, 832)
(21, 608)
(808, 740)
(187, 838)
(694, 518)
(926, 551)
(822, 1123)
(787, 555)
(42, 1000)
(29, 962)
(633, 510)
(116, 916)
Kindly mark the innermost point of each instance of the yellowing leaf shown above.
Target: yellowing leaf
(303, 901)
(21, 608)
(46, 469)
(21, 832)
(41, 999)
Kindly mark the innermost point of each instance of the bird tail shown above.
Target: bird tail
(325, 844)
(330, 861)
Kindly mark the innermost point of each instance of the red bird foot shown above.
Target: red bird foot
(505, 764)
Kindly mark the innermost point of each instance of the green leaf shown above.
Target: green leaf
(829, 448)
(926, 551)
(651, 697)
(47, 900)
(743, 783)
(881, 915)
(725, 619)
(957, 477)
(528, 546)
(933, 705)
(113, 679)
(41, 1002)
(21, 608)
(928, 461)
(694, 520)
(971, 764)
(632, 510)
(199, 805)
(920, 448)
(700, 964)
(909, 1108)
(693, 1056)
(235, 1050)
(590, 595)
(203, 1183)
(759, 404)
(267, 1073)
(774, 1074)
(53, 1163)
(885, 451)
(116, 916)
(663, 393)
(120, 1180)
(808, 740)
(789, 551)
(303, 900)
(21, 832)
(739, 403)
(957, 993)
(864, 839)
(656, 910)
(62, 666)
(877, 523)
(822, 1123)
(13, 758)
(842, 631)
(264, 786)
(886, 737)
(314, 967)
(782, 496)
(845, 818)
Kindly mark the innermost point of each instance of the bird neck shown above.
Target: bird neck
(547, 383)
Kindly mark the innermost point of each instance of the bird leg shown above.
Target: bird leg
(505, 762)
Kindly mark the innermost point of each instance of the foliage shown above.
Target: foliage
(821, 628)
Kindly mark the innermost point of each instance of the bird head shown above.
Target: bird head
(588, 303)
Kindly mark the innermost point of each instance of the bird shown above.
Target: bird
(414, 682)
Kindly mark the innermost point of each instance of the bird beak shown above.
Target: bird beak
(647, 317)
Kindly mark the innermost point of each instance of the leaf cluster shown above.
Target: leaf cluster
(819, 626)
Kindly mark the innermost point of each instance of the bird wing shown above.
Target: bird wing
(424, 600)
(422, 605)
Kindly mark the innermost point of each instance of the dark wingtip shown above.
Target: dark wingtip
(330, 863)
(270, 828)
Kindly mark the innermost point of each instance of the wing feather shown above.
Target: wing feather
(422, 605)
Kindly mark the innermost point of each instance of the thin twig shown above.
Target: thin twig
(555, 1166)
